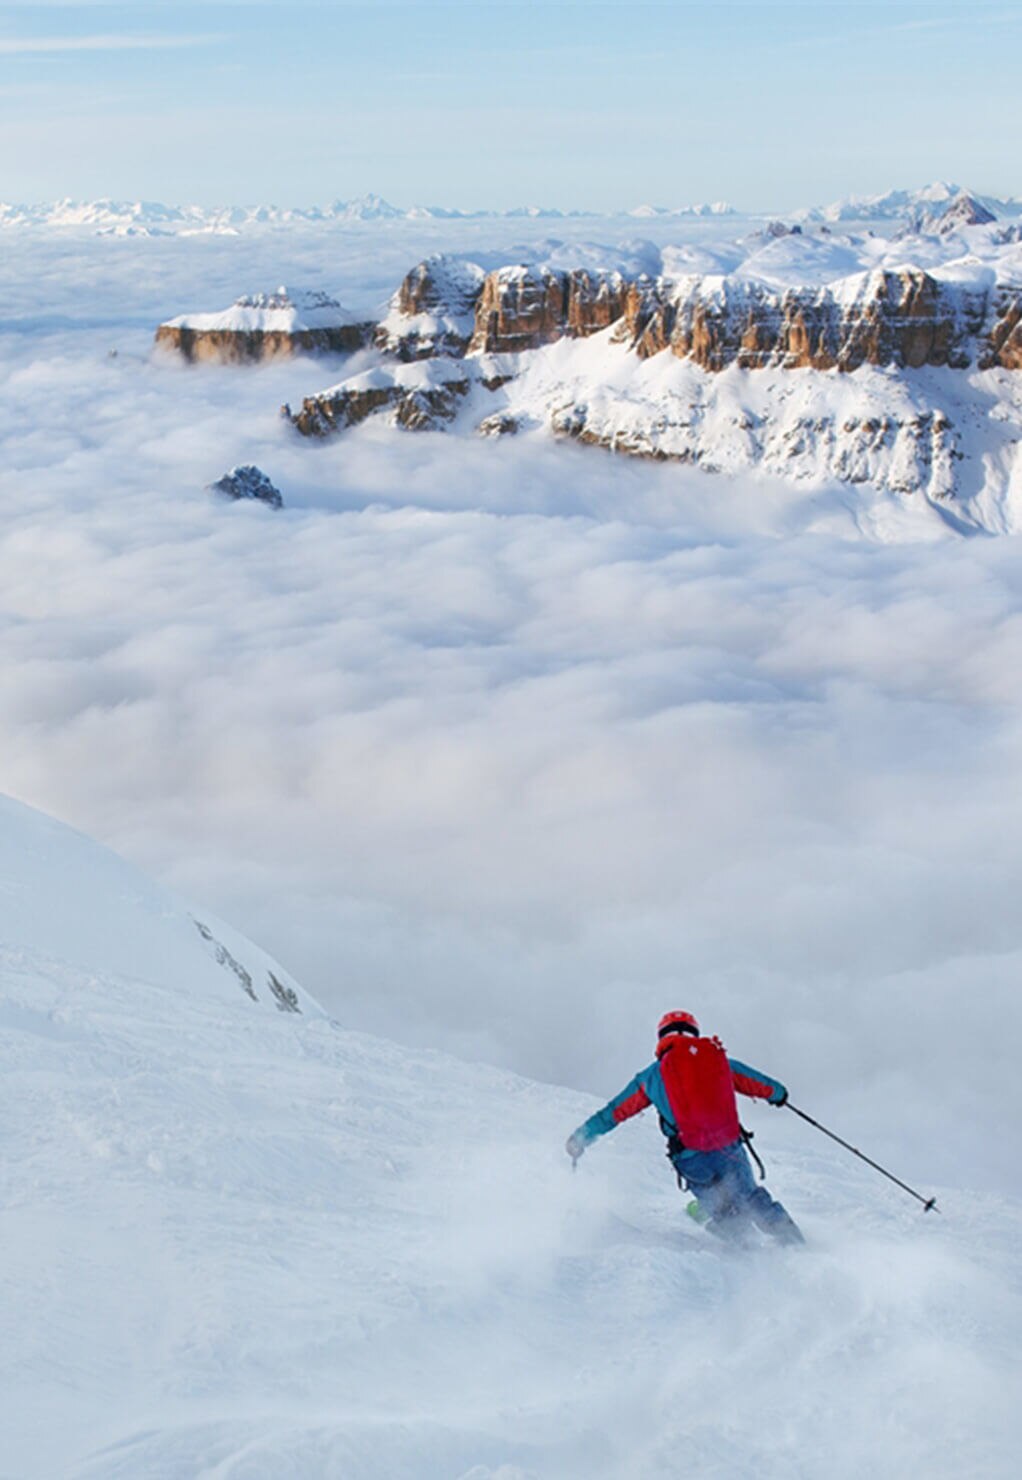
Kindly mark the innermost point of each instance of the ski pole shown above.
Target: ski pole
(927, 1202)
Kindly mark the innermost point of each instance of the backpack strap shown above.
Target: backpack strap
(747, 1138)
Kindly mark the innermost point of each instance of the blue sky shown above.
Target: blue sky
(475, 104)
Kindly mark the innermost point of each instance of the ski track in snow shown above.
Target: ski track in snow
(247, 1245)
(264, 1249)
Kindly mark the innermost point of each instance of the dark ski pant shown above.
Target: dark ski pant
(723, 1182)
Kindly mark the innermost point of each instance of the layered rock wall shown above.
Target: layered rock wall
(1004, 346)
(250, 346)
(416, 401)
(266, 326)
(904, 451)
(521, 308)
(904, 319)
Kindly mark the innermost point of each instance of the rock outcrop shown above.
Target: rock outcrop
(248, 482)
(433, 311)
(906, 451)
(522, 308)
(417, 397)
(962, 210)
(1004, 346)
(266, 326)
(449, 307)
(500, 424)
(774, 230)
(904, 319)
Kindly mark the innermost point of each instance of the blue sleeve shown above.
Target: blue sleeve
(632, 1099)
(757, 1085)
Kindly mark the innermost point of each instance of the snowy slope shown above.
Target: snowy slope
(954, 439)
(66, 900)
(248, 1244)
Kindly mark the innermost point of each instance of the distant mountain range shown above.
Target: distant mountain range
(905, 205)
(153, 218)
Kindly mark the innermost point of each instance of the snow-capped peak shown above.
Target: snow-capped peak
(368, 207)
(905, 205)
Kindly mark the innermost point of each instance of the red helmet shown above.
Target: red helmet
(676, 1022)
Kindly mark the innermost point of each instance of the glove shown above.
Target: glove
(779, 1096)
(575, 1145)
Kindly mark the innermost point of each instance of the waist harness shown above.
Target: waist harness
(675, 1147)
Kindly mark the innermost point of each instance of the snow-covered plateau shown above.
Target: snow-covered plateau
(245, 1242)
(260, 326)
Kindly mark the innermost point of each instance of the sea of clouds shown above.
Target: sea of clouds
(506, 748)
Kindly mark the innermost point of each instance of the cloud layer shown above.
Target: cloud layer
(508, 748)
(44, 45)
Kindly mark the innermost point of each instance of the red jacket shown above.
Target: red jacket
(692, 1084)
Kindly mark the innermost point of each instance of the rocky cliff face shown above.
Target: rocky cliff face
(904, 319)
(250, 346)
(905, 450)
(1004, 346)
(521, 308)
(415, 396)
(433, 311)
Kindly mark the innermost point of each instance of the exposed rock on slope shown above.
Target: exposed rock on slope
(72, 904)
(895, 446)
(962, 210)
(904, 205)
(248, 482)
(525, 307)
(416, 396)
(266, 326)
(433, 311)
(448, 307)
(902, 319)
(1004, 347)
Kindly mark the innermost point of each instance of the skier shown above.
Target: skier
(691, 1083)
